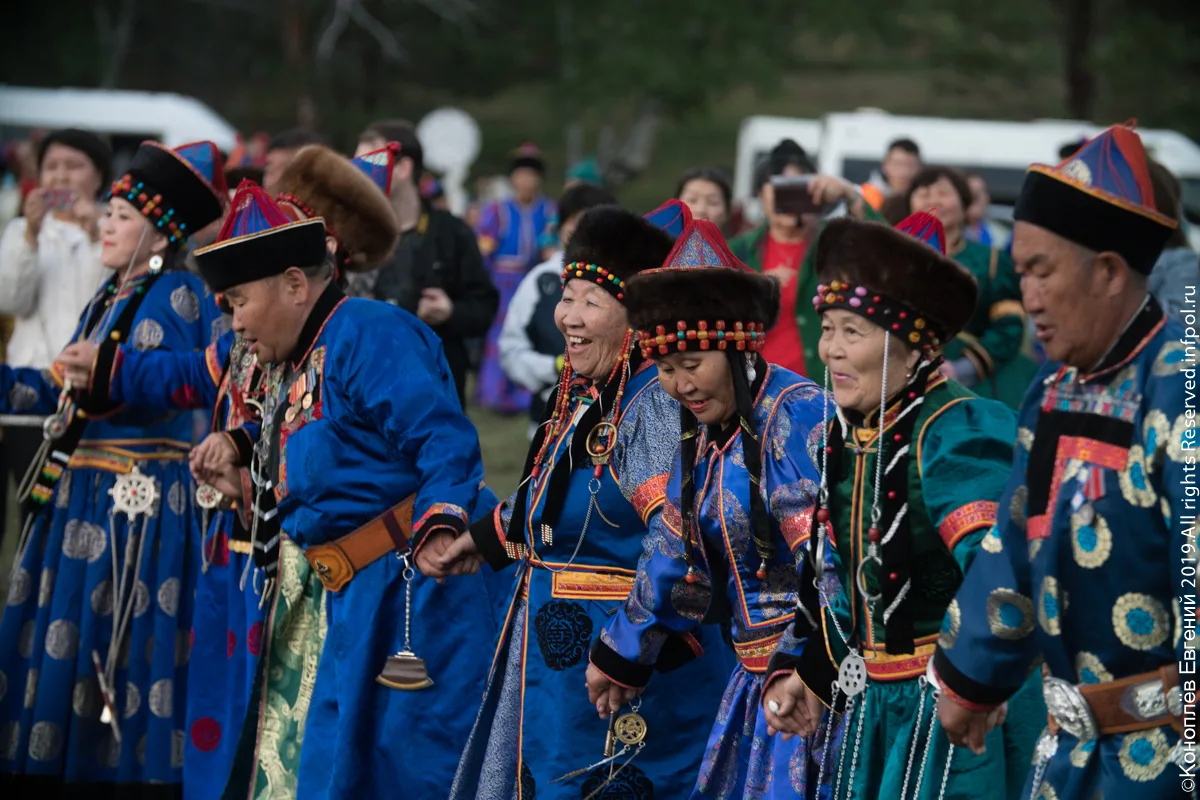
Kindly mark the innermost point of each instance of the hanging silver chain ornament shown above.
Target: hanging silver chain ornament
(406, 670)
(134, 494)
(852, 674)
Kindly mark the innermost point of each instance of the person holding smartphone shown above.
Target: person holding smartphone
(50, 263)
(795, 201)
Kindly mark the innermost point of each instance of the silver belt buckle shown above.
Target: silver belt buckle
(1070, 710)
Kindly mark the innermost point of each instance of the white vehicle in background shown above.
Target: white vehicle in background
(852, 145)
(126, 118)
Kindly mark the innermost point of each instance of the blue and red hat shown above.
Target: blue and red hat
(179, 191)
(259, 240)
(1100, 198)
(701, 297)
(898, 278)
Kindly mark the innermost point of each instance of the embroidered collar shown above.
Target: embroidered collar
(326, 303)
(1140, 329)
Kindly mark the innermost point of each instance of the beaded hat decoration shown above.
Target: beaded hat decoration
(259, 240)
(179, 191)
(702, 298)
(900, 279)
(1101, 198)
(610, 245)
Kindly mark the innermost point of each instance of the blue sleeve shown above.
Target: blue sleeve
(169, 379)
(25, 390)
(647, 442)
(397, 381)
(662, 610)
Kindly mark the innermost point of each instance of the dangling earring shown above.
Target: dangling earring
(156, 264)
(751, 374)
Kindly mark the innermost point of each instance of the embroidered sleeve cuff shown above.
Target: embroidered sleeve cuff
(488, 534)
(241, 441)
(619, 669)
(966, 691)
(677, 651)
(438, 517)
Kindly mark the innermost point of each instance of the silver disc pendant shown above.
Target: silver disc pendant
(134, 494)
(852, 675)
(208, 497)
(54, 427)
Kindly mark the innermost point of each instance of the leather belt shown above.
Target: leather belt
(1137, 703)
(337, 562)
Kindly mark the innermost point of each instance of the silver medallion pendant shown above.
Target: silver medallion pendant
(134, 494)
(852, 675)
(54, 427)
(208, 497)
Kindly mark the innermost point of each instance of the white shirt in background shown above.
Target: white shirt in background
(46, 290)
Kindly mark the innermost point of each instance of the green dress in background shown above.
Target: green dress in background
(996, 339)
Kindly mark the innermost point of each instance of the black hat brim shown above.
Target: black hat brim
(262, 255)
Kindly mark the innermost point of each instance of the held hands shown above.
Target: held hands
(77, 360)
(214, 461)
(605, 695)
(967, 728)
(434, 307)
(799, 710)
(445, 553)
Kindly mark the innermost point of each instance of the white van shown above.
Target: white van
(126, 118)
(853, 145)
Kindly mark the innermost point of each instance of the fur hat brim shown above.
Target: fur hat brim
(888, 262)
(617, 240)
(356, 212)
(667, 296)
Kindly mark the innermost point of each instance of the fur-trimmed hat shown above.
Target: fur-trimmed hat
(259, 240)
(702, 298)
(1101, 198)
(180, 190)
(899, 278)
(323, 183)
(610, 245)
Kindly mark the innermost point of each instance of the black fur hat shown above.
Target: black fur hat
(898, 278)
(702, 294)
(610, 245)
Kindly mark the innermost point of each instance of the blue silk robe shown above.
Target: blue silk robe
(61, 601)
(536, 723)
(228, 620)
(384, 423)
(1089, 555)
(741, 760)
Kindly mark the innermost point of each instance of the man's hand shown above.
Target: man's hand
(605, 695)
(967, 728)
(444, 553)
(435, 307)
(800, 710)
(35, 215)
(77, 360)
(214, 458)
(227, 480)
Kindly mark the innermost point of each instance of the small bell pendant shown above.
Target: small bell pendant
(405, 671)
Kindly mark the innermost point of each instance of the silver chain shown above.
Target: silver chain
(408, 575)
(912, 750)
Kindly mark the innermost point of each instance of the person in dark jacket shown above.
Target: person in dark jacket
(436, 271)
(531, 345)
